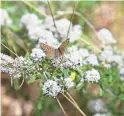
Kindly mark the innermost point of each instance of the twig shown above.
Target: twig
(61, 107)
(9, 49)
(74, 105)
(33, 7)
(54, 21)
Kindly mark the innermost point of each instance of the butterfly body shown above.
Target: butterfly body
(50, 51)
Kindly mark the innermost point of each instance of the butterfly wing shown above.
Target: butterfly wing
(49, 51)
(62, 46)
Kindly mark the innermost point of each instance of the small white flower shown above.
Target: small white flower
(15, 73)
(29, 21)
(37, 54)
(106, 65)
(84, 52)
(92, 76)
(75, 33)
(5, 59)
(91, 59)
(105, 36)
(106, 55)
(97, 105)
(68, 83)
(4, 18)
(47, 37)
(118, 59)
(102, 114)
(51, 88)
(121, 71)
(62, 26)
(18, 61)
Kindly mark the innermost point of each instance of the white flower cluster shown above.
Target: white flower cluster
(68, 83)
(47, 31)
(29, 21)
(37, 54)
(91, 76)
(4, 18)
(51, 88)
(11, 66)
(72, 57)
(5, 59)
(107, 56)
(106, 37)
(91, 59)
(96, 106)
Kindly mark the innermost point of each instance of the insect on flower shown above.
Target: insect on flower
(50, 51)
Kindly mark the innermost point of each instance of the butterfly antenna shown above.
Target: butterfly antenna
(54, 22)
(75, 6)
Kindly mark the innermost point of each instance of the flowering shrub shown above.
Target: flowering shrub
(78, 66)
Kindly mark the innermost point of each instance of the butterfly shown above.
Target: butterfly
(50, 51)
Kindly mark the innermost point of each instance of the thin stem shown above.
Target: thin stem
(81, 16)
(74, 105)
(71, 19)
(33, 7)
(54, 21)
(61, 107)
(91, 45)
(11, 80)
(74, 102)
(22, 83)
(9, 49)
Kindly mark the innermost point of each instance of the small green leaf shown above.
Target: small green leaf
(79, 86)
(16, 84)
(121, 96)
(27, 56)
(32, 79)
(100, 91)
(39, 105)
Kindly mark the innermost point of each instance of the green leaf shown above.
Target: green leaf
(39, 105)
(32, 79)
(121, 96)
(27, 56)
(16, 84)
(79, 86)
(100, 91)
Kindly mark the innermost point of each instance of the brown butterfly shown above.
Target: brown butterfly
(50, 51)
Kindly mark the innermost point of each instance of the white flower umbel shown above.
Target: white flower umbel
(37, 54)
(68, 83)
(92, 76)
(29, 21)
(75, 33)
(4, 18)
(106, 55)
(19, 61)
(118, 59)
(5, 59)
(91, 59)
(47, 37)
(97, 105)
(51, 88)
(105, 36)
(62, 26)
